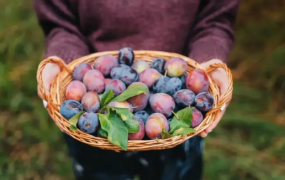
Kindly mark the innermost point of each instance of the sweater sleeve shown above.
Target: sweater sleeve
(61, 29)
(212, 36)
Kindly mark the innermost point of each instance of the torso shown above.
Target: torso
(149, 25)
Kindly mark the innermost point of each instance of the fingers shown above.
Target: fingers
(219, 76)
(215, 123)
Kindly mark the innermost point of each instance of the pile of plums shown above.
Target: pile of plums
(171, 89)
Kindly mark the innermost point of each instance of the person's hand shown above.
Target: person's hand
(219, 76)
(48, 74)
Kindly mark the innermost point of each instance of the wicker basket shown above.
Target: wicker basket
(57, 96)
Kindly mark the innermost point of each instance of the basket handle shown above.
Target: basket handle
(227, 96)
(51, 59)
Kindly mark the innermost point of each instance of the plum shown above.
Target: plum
(175, 67)
(167, 85)
(197, 81)
(126, 56)
(94, 81)
(70, 108)
(197, 118)
(149, 76)
(80, 71)
(173, 85)
(116, 72)
(148, 108)
(143, 115)
(91, 102)
(184, 98)
(155, 124)
(160, 85)
(204, 101)
(107, 81)
(139, 135)
(140, 65)
(75, 90)
(183, 80)
(105, 64)
(158, 64)
(116, 85)
(122, 104)
(88, 122)
(129, 76)
(139, 102)
(162, 103)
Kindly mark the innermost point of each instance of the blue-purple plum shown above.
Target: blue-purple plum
(158, 64)
(80, 71)
(126, 56)
(184, 98)
(160, 85)
(183, 80)
(129, 76)
(88, 122)
(173, 85)
(70, 108)
(204, 101)
(143, 115)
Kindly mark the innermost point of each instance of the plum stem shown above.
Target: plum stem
(175, 115)
(165, 73)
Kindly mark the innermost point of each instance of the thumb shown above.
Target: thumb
(48, 74)
(219, 76)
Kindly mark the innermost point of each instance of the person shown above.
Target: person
(201, 30)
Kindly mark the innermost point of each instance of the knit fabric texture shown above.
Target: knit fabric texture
(199, 29)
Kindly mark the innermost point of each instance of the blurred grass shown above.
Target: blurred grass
(249, 143)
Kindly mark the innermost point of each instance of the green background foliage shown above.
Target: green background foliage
(248, 144)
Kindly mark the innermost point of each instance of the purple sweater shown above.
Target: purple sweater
(199, 29)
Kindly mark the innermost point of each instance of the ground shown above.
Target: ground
(248, 144)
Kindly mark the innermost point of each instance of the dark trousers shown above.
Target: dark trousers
(183, 162)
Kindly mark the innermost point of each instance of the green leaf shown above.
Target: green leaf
(124, 113)
(73, 121)
(165, 134)
(116, 129)
(184, 119)
(107, 97)
(183, 131)
(103, 132)
(132, 125)
(73, 128)
(185, 115)
(130, 92)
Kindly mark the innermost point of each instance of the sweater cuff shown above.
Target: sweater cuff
(211, 48)
(67, 55)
